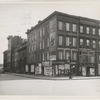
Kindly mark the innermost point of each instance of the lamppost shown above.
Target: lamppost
(70, 74)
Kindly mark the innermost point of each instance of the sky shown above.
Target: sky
(17, 17)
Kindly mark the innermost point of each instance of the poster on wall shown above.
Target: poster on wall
(52, 39)
(83, 71)
(26, 68)
(92, 71)
(32, 68)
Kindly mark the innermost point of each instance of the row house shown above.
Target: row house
(62, 41)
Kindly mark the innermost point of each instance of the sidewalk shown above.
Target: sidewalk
(54, 78)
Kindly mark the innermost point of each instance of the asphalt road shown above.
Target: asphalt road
(17, 85)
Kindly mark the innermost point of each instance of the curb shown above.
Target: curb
(54, 78)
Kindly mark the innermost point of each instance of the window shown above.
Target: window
(92, 59)
(99, 44)
(74, 55)
(87, 30)
(93, 31)
(40, 45)
(81, 42)
(47, 56)
(40, 32)
(67, 55)
(87, 42)
(67, 41)
(81, 29)
(99, 57)
(60, 55)
(67, 27)
(60, 40)
(60, 25)
(94, 44)
(35, 36)
(43, 44)
(43, 31)
(43, 57)
(39, 57)
(74, 42)
(74, 27)
(35, 47)
(47, 42)
(99, 32)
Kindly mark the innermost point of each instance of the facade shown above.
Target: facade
(10, 53)
(62, 43)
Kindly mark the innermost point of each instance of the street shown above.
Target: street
(17, 85)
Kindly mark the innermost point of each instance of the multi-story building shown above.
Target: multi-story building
(62, 43)
(13, 42)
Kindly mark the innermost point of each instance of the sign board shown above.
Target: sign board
(26, 68)
(46, 63)
(52, 57)
(48, 71)
(32, 68)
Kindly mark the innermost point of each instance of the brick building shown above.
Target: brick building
(13, 42)
(61, 42)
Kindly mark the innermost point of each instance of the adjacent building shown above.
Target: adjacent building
(11, 55)
(61, 42)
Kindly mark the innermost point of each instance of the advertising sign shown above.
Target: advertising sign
(32, 68)
(26, 68)
(83, 71)
(52, 57)
(48, 71)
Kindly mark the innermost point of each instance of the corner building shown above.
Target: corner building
(62, 41)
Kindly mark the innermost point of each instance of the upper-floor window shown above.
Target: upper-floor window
(74, 55)
(67, 26)
(93, 31)
(99, 32)
(40, 45)
(67, 55)
(99, 57)
(34, 46)
(94, 44)
(60, 55)
(35, 36)
(81, 42)
(60, 25)
(74, 42)
(81, 29)
(74, 27)
(40, 32)
(43, 31)
(47, 42)
(99, 44)
(60, 40)
(87, 42)
(43, 57)
(67, 41)
(47, 56)
(87, 30)
(43, 44)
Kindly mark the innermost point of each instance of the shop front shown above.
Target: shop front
(88, 70)
(62, 68)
